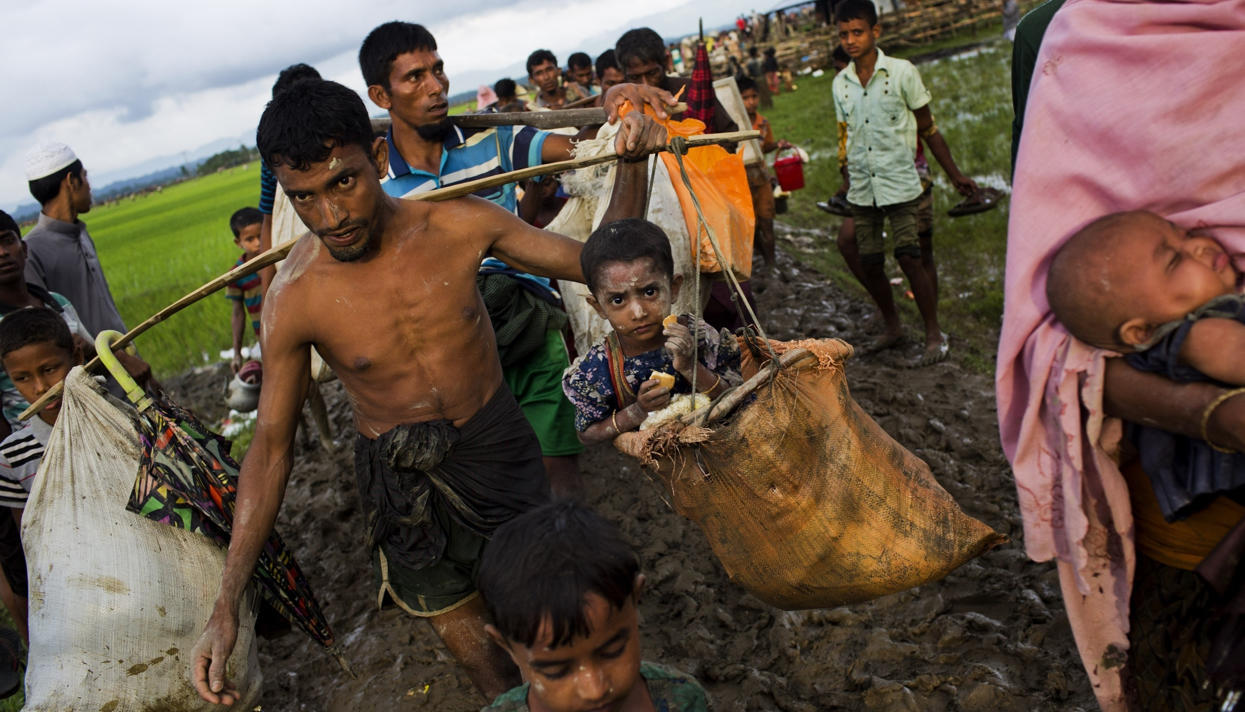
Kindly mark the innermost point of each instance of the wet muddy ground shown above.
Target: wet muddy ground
(991, 637)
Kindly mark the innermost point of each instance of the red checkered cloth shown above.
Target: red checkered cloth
(700, 96)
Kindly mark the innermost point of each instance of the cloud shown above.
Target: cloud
(124, 82)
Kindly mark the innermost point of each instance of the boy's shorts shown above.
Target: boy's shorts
(903, 221)
(925, 210)
(537, 385)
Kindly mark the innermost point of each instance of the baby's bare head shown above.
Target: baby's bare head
(1123, 275)
(1092, 282)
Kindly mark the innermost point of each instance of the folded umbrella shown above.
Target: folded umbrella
(187, 479)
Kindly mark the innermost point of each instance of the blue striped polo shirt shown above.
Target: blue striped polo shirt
(470, 154)
(267, 188)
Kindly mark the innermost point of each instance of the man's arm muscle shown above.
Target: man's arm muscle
(511, 240)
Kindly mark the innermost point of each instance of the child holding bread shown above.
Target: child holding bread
(629, 271)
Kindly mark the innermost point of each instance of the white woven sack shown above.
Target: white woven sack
(116, 600)
(590, 188)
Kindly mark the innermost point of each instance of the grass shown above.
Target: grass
(156, 248)
(972, 108)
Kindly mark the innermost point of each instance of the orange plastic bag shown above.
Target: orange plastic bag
(804, 499)
(718, 178)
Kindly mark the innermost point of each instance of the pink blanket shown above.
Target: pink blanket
(1132, 105)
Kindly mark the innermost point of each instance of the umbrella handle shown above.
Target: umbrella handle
(103, 350)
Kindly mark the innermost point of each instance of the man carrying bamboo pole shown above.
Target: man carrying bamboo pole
(406, 77)
(385, 290)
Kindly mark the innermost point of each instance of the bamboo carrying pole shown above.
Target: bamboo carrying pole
(277, 254)
(555, 119)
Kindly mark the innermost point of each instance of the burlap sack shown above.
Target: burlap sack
(805, 500)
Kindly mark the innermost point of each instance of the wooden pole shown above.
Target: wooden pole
(279, 253)
(456, 191)
(556, 119)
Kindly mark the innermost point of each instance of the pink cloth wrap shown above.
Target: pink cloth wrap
(1133, 105)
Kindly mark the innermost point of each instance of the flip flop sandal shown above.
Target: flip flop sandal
(981, 201)
(929, 358)
(836, 205)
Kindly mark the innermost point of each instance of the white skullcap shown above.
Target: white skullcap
(47, 158)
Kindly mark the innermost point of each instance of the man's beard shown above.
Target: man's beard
(350, 253)
(434, 132)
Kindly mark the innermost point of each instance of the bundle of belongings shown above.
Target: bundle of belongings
(804, 499)
(117, 601)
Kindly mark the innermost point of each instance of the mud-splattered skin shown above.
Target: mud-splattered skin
(386, 292)
(391, 300)
(598, 672)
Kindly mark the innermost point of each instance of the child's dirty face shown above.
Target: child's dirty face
(1172, 271)
(752, 100)
(36, 367)
(858, 37)
(634, 297)
(595, 673)
(248, 239)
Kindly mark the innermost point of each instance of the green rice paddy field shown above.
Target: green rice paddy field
(157, 247)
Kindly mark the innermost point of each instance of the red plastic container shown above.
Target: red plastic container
(790, 171)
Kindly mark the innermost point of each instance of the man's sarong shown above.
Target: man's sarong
(418, 475)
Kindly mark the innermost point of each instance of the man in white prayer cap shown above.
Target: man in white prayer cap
(61, 254)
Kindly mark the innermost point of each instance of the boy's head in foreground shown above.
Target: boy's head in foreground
(561, 587)
(1122, 276)
(857, 21)
(629, 270)
(246, 224)
(37, 351)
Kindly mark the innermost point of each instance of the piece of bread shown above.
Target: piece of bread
(672, 319)
(665, 379)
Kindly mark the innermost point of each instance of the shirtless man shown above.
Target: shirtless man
(385, 290)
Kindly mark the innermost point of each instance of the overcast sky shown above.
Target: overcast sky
(125, 82)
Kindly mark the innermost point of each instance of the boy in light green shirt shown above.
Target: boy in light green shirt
(883, 106)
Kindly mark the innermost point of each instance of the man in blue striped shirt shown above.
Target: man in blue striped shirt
(406, 77)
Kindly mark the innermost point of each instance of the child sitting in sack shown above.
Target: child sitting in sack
(562, 589)
(629, 270)
(1171, 300)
